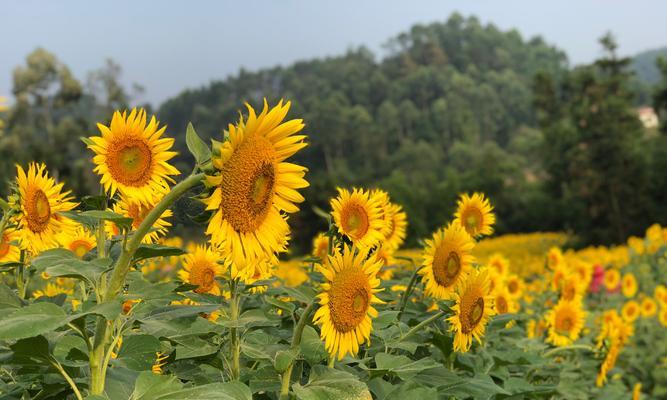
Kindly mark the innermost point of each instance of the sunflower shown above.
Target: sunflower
(40, 201)
(660, 293)
(558, 277)
(51, 290)
(8, 251)
(475, 214)
(291, 273)
(254, 185)
(447, 257)
(201, 268)
(572, 288)
(132, 157)
(612, 278)
(359, 217)
(347, 301)
(662, 316)
(554, 258)
(630, 311)
(399, 223)
(566, 320)
(649, 307)
(500, 264)
(321, 247)
(138, 211)
(386, 257)
(79, 242)
(584, 271)
(629, 285)
(514, 286)
(472, 309)
(503, 302)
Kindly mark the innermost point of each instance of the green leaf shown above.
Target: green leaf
(192, 346)
(71, 351)
(32, 320)
(146, 251)
(150, 386)
(64, 263)
(312, 347)
(8, 297)
(160, 387)
(93, 217)
(331, 384)
(284, 359)
(138, 351)
(199, 149)
(283, 305)
(404, 367)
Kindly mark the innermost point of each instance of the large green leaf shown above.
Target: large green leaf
(93, 217)
(199, 149)
(32, 320)
(331, 384)
(8, 297)
(64, 263)
(138, 351)
(160, 387)
(404, 367)
(146, 251)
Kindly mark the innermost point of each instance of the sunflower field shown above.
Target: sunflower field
(99, 301)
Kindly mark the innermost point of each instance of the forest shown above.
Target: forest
(448, 108)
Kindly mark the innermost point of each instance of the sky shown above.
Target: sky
(168, 46)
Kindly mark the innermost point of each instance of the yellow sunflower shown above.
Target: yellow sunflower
(499, 263)
(398, 226)
(660, 293)
(566, 320)
(291, 273)
(649, 307)
(8, 251)
(51, 290)
(201, 268)
(629, 285)
(612, 278)
(321, 247)
(347, 301)
(475, 214)
(138, 211)
(447, 257)
(514, 286)
(503, 303)
(472, 309)
(132, 156)
(630, 311)
(554, 258)
(254, 185)
(572, 288)
(359, 217)
(79, 241)
(40, 201)
(662, 316)
(560, 273)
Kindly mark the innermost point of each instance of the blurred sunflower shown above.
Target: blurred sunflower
(612, 279)
(447, 257)
(79, 241)
(660, 293)
(138, 212)
(347, 301)
(132, 156)
(359, 217)
(8, 251)
(630, 311)
(254, 185)
(499, 263)
(566, 320)
(514, 286)
(51, 290)
(503, 303)
(572, 288)
(662, 316)
(554, 258)
(321, 247)
(201, 268)
(649, 307)
(629, 285)
(40, 200)
(472, 309)
(398, 223)
(475, 214)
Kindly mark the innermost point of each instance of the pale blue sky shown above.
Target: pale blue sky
(167, 45)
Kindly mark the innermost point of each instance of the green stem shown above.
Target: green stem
(68, 378)
(422, 324)
(119, 274)
(296, 341)
(332, 361)
(408, 291)
(571, 347)
(234, 345)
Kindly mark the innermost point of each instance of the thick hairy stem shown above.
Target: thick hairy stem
(234, 345)
(296, 341)
(120, 271)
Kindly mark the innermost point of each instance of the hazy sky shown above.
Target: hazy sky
(167, 46)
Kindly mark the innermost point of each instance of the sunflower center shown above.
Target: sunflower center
(446, 267)
(472, 218)
(4, 245)
(80, 247)
(471, 314)
(248, 184)
(349, 299)
(38, 211)
(569, 292)
(513, 286)
(355, 220)
(203, 276)
(130, 161)
(564, 324)
(501, 305)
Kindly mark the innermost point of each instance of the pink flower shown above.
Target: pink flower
(598, 278)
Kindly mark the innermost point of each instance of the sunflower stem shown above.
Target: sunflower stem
(571, 347)
(119, 274)
(235, 346)
(420, 325)
(296, 341)
(408, 291)
(68, 378)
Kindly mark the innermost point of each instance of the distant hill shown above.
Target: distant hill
(644, 65)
